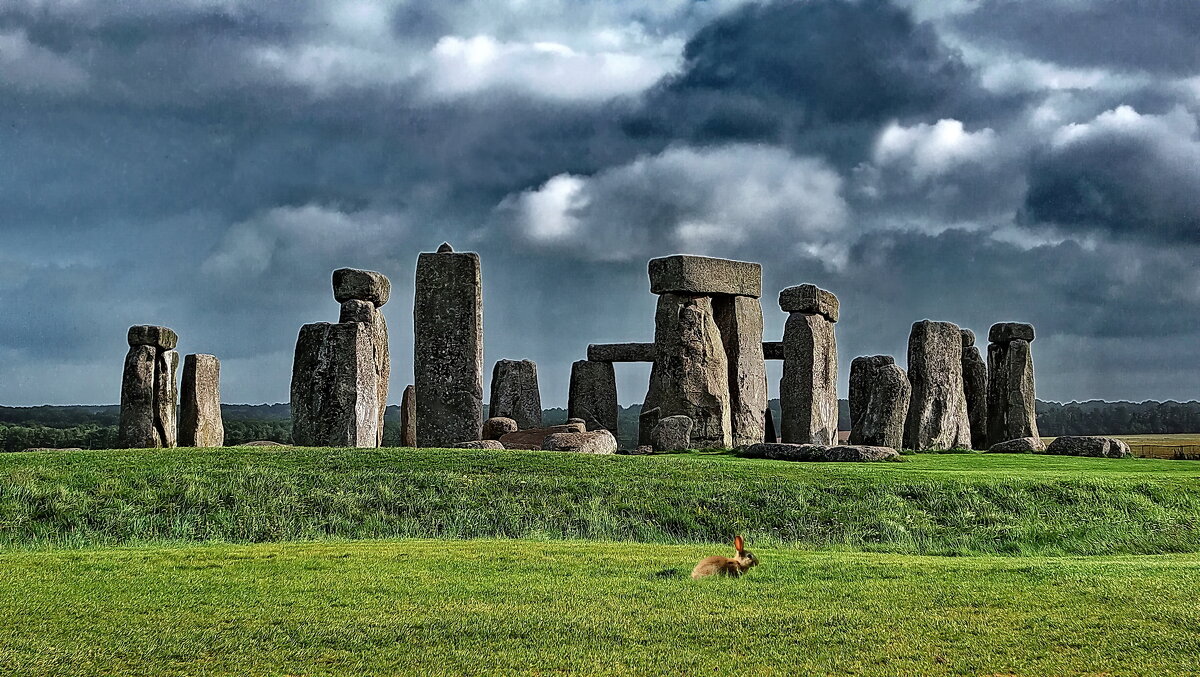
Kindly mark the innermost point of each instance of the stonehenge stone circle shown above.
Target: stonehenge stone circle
(595, 442)
(408, 417)
(881, 421)
(448, 347)
(515, 393)
(937, 412)
(975, 385)
(1104, 447)
(783, 451)
(672, 433)
(808, 389)
(498, 426)
(149, 391)
(1011, 400)
(593, 395)
(708, 362)
(341, 371)
(200, 423)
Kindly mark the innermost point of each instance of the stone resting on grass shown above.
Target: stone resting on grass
(1021, 445)
(782, 451)
(1104, 447)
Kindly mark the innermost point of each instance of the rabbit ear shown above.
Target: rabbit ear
(738, 543)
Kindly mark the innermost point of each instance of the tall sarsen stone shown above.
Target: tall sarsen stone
(200, 423)
(448, 347)
(808, 389)
(937, 413)
(149, 389)
(1011, 397)
(515, 393)
(593, 395)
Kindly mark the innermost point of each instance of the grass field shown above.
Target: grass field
(464, 607)
(928, 504)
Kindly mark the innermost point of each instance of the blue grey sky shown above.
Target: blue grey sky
(205, 164)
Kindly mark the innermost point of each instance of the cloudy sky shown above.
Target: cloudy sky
(205, 164)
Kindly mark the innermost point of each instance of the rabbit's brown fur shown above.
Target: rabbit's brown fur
(727, 566)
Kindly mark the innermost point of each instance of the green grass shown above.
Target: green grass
(928, 504)
(469, 607)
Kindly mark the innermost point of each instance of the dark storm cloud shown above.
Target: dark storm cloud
(1152, 35)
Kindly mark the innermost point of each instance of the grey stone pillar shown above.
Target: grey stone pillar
(880, 420)
(149, 394)
(1011, 399)
(740, 321)
(593, 395)
(937, 414)
(808, 389)
(975, 385)
(448, 347)
(863, 373)
(200, 422)
(515, 393)
(408, 417)
(340, 373)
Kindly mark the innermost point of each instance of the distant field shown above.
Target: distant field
(928, 504)
(466, 607)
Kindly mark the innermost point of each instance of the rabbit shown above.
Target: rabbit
(725, 566)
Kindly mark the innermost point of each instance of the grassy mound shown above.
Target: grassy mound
(928, 504)
(472, 607)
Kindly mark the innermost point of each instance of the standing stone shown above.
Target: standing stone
(808, 389)
(975, 384)
(740, 321)
(1011, 397)
(448, 347)
(515, 393)
(138, 428)
(149, 390)
(771, 435)
(937, 414)
(335, 389)
(647, 419)
(593, 395)
(408, 417)
(672, 433)
(362, 293)
(690, 376)
(200, 423)
(880, 423)
(863, 375)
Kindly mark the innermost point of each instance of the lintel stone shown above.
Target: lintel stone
(703, 275)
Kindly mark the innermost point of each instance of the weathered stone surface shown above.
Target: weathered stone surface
(937, 413)
(690, 376)
(596, 442)
(975, 389)
(672, 433)
(702, 275)
(532, 439)
(647, 419)
(771, 434)
(480, 444)
(166, 397)
(881, 421)
(150, 335)
(773, 350)
(818, 452)
(1011, 397)
(862, 379)
(138, 429)
(515, 393)
(1003, 332)
(593, 395)
(809, 298)
(576, 419)
(263, 443)
(621, 352)
(200, 422)
(1105, 447)
(362, 285)
(355, 310)
(968, 338)
(740, 321)
(498, 426)
(335, 389)
(808, 389)
(448, 348)
(408, 417)
(1024, 445)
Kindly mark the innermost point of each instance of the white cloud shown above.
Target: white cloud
(25, 65)
(1177, 125)
(932, 150)
(718, 201)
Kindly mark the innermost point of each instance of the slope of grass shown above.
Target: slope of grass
(946, 504)
(471, 607)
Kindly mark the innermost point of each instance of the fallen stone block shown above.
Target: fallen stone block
(1023, 445)
(596, 442)
(1104, 447)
